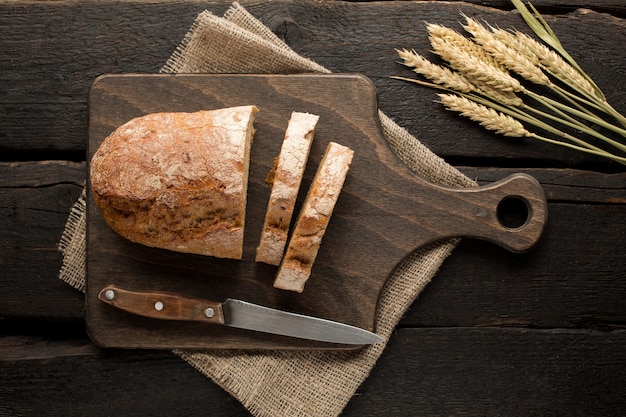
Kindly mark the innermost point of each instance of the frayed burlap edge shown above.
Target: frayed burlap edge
(73, 246)
(285, 383)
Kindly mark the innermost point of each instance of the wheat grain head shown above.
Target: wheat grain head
(436, 73)
(487, 117)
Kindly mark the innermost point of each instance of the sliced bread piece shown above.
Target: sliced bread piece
(313, 219)
(285, 179)
(178, 181)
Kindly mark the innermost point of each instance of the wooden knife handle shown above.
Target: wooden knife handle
(162, 305)
(481, 212)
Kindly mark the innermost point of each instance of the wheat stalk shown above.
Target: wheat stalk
(486, 91)
(510, 39)
(475, 68)
(435, 73)
(541, 28)
(520, 64)
(558, 67)
(486, 116)
(505, 122)
(505, 55)
(455, 38)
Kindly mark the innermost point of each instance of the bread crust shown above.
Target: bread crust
(178, 181)
(285, 179)
(313, 219)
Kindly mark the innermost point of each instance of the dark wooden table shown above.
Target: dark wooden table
(495, 333)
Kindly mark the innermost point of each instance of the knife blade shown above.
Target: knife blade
(235, 313)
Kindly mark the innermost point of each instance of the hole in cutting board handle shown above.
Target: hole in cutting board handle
(513, 212)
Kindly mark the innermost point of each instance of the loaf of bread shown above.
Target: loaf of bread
(313, 218)
(178, 181)
(285, 179)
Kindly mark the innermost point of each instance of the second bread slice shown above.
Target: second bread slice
(287, 175)
(313, 219)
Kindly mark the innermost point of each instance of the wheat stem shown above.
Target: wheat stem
(555, 65)
(503, 121)
(582, 115)
(523, 116)
(545, 32)
(575, 124)
(486, 92)
(577, 143)
(616, 158)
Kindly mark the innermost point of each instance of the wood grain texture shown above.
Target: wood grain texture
(586, 293)
(385, 210)
(71, 377)
(35, 199)
(494, 333)
(614, 7)
(486, 372)
(428, 371)
(51, 95)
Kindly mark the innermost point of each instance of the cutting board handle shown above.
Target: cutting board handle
(511, 212)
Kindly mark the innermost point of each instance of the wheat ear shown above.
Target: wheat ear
(435, 73)
(506, 125)
(558, 67)
(505, 55)
(510, 39)
(487, 117)
(455, 38)
(475, 68)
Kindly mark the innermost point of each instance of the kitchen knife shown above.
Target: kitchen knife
(235, 313)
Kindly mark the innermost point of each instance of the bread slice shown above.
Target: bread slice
(285, 179)
(178, 181)
(313, 219)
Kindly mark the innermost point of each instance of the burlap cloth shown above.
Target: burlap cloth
(285, 383)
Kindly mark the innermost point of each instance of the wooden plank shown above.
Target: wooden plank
(487, 372)
(48, 93)
(53, 51)
(516, 365)
(564, 185)
(31, 231)
(72, 377)
(35, 200)
(574, 278)
(428, 371)
(615, 7)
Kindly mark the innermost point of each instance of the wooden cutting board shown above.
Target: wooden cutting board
(384, 212)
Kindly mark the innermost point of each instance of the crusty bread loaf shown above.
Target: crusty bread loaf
(313, 218)
(285, 179)
(178, 181)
